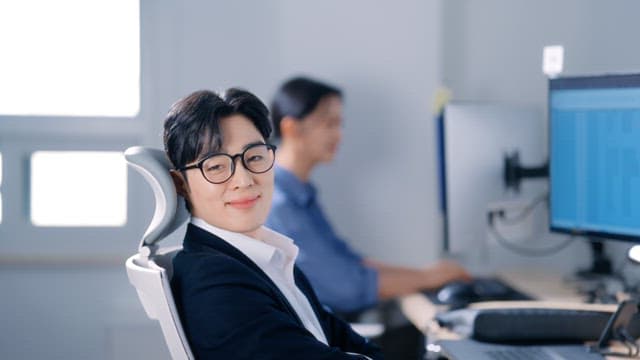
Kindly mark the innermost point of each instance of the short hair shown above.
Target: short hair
(192, 126)
(298, 97)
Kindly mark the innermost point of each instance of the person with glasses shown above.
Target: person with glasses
(307, 118)
(235, 283)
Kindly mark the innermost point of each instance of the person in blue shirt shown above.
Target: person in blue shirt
(307, 118)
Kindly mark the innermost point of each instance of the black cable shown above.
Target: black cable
(508, 243)
(525, 212)
(629, 348)
(607, 352)
(634, 350)
(622, 335)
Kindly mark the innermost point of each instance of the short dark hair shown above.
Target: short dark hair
(192, 126)
(297, 97)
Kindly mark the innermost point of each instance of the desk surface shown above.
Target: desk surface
(552, 290)
(543, 285)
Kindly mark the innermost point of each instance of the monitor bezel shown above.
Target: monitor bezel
(606, 81)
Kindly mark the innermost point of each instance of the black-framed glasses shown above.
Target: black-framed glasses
(220, 167)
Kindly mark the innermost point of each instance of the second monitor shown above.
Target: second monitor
(476, 138)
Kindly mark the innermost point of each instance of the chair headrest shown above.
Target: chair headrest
(170, 212)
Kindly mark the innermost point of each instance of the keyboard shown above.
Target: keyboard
(531, 353)
(470, 349)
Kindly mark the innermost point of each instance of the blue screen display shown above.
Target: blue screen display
(595, 158)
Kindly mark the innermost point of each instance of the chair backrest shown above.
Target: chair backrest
(150, 270)
(170, 212)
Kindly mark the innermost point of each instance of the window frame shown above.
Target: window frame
(65, 240)
(21, 242)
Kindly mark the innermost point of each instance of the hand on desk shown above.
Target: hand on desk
(443, 272)
(395, 281)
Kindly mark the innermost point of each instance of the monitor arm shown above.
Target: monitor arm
(514, 173)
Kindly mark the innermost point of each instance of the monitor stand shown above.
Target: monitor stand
(598, 282)
(600, 262)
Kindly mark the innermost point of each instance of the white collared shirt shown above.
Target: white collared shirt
(275, 254)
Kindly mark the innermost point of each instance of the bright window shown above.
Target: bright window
(78, 188)
(70, 57)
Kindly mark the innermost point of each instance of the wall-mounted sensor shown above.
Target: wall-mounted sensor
(552, 60)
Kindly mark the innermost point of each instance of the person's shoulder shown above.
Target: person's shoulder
(279, 195)
(210, 266)
(281, 202)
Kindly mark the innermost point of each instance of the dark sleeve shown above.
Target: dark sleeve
(339, 333)
(228, 312)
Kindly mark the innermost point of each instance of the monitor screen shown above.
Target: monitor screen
(594, 141)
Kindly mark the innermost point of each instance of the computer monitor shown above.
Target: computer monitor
(473, 141)
(594, 124)
(594, 147)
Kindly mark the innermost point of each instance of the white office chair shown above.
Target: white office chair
(150, 270)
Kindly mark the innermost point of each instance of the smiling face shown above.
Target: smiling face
(242, 203)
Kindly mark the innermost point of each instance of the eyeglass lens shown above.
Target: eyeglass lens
(219, 168)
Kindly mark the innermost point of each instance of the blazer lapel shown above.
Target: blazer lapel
(197, 239)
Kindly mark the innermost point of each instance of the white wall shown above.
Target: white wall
(492, 49)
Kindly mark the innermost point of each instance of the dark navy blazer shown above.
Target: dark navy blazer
(230, 309)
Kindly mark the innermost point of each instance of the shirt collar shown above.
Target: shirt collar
(300, 192)
(271, 248)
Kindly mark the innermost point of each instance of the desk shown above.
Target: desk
(552, 290)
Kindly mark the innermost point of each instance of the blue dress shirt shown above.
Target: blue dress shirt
(336, 272)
